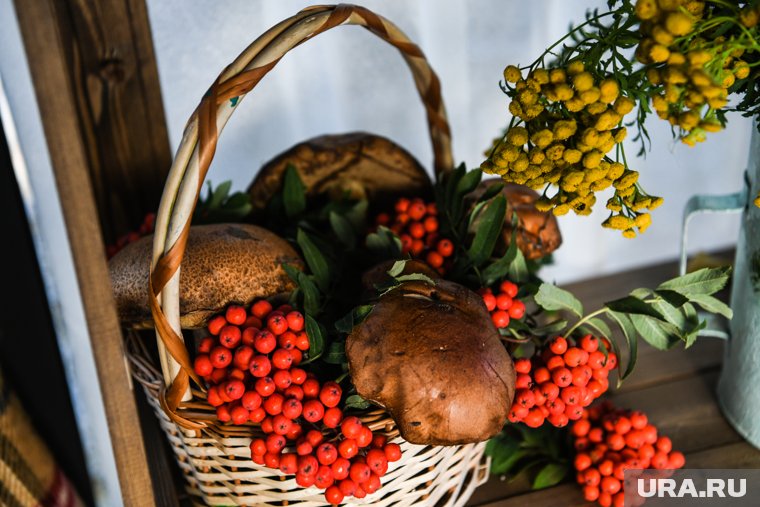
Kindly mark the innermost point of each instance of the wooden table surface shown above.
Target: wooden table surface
(676, 389)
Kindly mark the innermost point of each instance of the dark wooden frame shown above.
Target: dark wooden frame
(96, 82)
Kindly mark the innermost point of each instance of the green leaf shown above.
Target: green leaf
(343, 230)
(633, 305)
(316, 339)
(397, 268)
(311, 295)
(631, 338)
(598, 325)
(660, 335)
(468, 182)
(670, 313)
(357, 402)
(552, 298)
(415, 277)
(549, 475)
(712, 305)
(704, 281)
(672, 297)
(488, 231)
(505, 453)
(550, 329)
(219, 195)
(314, 259)
(512, 263)
(336, 353)
(356, 316)
(293, 192)
(491, 191)
(384, 243)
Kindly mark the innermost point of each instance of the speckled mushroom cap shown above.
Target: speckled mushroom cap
(223, 263)
(360, 164)
(432, 357)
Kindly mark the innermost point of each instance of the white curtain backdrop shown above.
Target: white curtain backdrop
(346, 79)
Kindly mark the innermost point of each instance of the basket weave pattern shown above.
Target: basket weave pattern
(214, 457)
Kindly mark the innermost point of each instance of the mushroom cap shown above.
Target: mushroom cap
(223, 264)
(537, 231)
(432, 357)
(361, 164)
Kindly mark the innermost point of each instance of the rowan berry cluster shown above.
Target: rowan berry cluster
(569, 121)
(504, 305)
(610, 441)
(416, 224)
(691, 69)
(557, 383)
(250, 362)
(145, 228)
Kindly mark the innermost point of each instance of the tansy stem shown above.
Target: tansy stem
(568, 34)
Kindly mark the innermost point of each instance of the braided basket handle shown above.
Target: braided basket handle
(197, 149)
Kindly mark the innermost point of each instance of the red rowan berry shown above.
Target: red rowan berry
(558, 420)
(234, 389)
(417, 210)
(292, 408)
(542, 375)
(308, 465)
(558, 345)
(282, 379)
(277, 324)
(257, 415)
(223, 413)
(517, 310)
(590, 493)
(282, 424)
(611, 361)
(525, 398)
(330, 394)
(334, 495)
(500, 318)
(258, 447)
(676, 460)
(236, 315)
(295, 321)
(261, 308)
(573, 412)
(265, 386)
(340, 468)
(296, 356)
(216, 324)
(364, 438)
(509, 288)
(392, 452)
(249, 336)
(664, 444)
(305, 480)
(582, 462)
(348, 448)
(610, 484)
(260, 366)
(359, 472)
(503, 302)
(332, 417)
(264, 342)
(434, 259)
(563, 378)
(282, 359)
(288, 463)
(589, 343)
(313, 411)
(534, 419)
(213, 398)
(616, 441)
(555, 362)
(206, 345)
(445, 248)
(490, 301)
(203, 366)
(573, 356)
(324, 478)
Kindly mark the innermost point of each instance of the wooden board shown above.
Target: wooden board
(96, 84)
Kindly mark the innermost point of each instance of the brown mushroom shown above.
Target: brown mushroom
(223, 263)
(432, 357)
(359, 164)
(537, 231)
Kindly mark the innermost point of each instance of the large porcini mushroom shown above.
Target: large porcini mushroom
(223, 263)
(432, 357)
(537, 231)
(358, 164)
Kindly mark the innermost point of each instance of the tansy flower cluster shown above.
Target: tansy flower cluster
(691, 70)
(569, 121)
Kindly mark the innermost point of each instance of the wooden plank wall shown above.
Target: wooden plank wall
(96, 82)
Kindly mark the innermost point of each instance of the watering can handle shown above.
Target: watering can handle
(729, 203)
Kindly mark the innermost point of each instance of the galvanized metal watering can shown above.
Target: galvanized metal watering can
(739, 384)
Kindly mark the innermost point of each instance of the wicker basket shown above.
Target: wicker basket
(215, 457)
